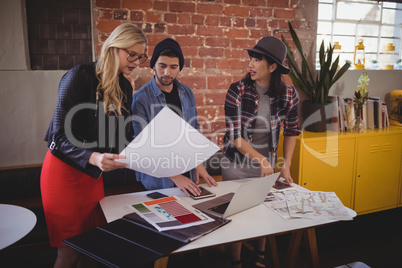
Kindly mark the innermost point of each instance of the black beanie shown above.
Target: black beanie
(163, 45)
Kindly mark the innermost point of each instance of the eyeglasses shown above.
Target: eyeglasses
(133, 57)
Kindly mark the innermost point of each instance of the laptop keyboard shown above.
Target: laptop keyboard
(220, 208)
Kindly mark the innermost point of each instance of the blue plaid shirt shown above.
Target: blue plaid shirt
(241, 108)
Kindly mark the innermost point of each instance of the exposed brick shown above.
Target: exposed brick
(273, 23)
(259, 33)
(225, 21)
(262, 23)
(216, 97)
(197, 63)
(219, 82)
(136, 16)
(207, 113)
(232, 1)
(223, 64)
(212, 8)
(181, 7)
(153, 40)
(236, 53)
(170, 18)
(189, 41)
(210, 63)
(154, 17)
(105, 14)
(160, 5)
(159, 28)
(197, 19)
(210, 52)
(108, 3)
(236, 33)
(120, 15)
(179, 29)
(107, 26)
(250, 22)
(187, 62)
(189, 51)
(260, 3)
(284, 14)
(136, 4)
(237, 64)
(279, 3)
(261, 12)
(147, 28)
(184, 19)
(236, 11)
(243, 43)
(209, 31)
(212, 20)
(199, 98)
(217, 42)
(238, 22)
(194, 82)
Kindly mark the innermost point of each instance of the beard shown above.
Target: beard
(163, 82)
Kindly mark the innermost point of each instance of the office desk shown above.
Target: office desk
(259, 221)
(15, 223)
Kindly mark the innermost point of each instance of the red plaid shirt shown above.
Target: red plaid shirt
(241, 107)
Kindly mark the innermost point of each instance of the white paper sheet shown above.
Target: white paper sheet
(167, 146)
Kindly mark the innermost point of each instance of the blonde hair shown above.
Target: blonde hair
(107, 66)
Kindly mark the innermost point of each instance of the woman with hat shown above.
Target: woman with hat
(255, 108)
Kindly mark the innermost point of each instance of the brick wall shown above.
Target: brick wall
(212, 34)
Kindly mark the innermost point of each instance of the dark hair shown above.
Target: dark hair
(169, 53)
(276, 87)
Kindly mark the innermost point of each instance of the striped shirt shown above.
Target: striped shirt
(241, 108)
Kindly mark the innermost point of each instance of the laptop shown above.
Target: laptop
(247, 195)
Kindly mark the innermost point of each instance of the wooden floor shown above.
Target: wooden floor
(374, 239)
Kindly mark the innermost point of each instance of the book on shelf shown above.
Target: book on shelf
(374, 113)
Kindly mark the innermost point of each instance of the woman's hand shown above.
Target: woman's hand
(266, 168)
(285, 173)
(106, 161)
(200, 171)
(185, 184)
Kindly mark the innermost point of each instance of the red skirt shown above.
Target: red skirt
(70, 200)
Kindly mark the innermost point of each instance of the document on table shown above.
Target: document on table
(307, 204)
(316, 205)
(167, 146)
(170, 213)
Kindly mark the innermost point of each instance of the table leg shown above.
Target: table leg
(161, 262)
(294, 246)
(312, 244)
(274, 251)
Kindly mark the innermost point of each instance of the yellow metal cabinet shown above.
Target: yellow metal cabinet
(324, 162)
(377, 172)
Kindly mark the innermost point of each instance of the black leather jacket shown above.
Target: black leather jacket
(79, 125)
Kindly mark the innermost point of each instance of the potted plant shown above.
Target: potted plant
(315, 85)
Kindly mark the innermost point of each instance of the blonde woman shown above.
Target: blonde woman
(85, 135)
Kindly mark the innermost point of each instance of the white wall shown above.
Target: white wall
(28, 98)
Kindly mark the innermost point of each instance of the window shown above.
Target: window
(376, 23)
(59, 33)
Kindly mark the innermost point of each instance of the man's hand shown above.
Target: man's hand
(185, 184)
(106, 161)
(201, 172)
(266, 168)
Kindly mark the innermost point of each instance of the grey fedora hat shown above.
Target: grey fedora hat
(274, 48)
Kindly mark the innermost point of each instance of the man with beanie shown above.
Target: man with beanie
(164, 90)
